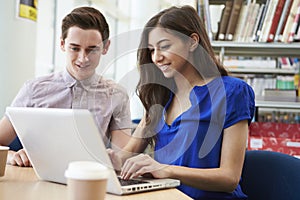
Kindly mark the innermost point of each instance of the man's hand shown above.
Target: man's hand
(18, 158)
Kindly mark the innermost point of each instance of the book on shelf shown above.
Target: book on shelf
(282, 20)
(275, 20)
(204, 13)
(268, 21)
(294, 26)
(259, 83)
(208, 19)
(247, 16)
(297, 33)
(290, 21)
(286, 63)
(254, 9)
(242, 21)
(256, 22)
(224, 19)
(216, 11)
(250, 63)
(233, 18)
(280, 92)
(239, 25)
(261, 21)
(285, 82)
(201, 10)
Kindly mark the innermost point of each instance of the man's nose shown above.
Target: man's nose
(83, 56)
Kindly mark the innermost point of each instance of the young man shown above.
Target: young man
(84, 39)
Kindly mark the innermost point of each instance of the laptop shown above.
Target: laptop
(53, 137)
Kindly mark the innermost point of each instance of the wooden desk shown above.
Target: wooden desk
(22, 183)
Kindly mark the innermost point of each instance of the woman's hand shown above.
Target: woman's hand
(18, 158)
(143, 164)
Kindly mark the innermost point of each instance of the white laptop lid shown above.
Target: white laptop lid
(53, 137)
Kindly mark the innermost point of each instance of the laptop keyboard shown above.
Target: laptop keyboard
(130, 182)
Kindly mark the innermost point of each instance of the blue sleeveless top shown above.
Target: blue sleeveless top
(194, 138)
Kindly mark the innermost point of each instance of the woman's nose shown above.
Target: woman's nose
(156, 56)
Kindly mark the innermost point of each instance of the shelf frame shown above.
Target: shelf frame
(262, 71)
(224, 48)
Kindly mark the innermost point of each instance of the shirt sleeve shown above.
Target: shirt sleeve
(240, 104)
(121, 118)
(23, 98)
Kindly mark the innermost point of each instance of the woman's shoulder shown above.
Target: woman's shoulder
(232, 80)
(234, 83)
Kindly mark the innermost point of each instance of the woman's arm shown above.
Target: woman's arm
(134, 144)
(225, 178)
(120, 138)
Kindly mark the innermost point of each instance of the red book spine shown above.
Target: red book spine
(275, 20)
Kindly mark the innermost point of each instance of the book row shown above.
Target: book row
(251, 21)
(271, 85)
(279, 117)
(256, 63)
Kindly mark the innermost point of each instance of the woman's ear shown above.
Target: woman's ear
(194, 41)
(62, 44)
(106, 47)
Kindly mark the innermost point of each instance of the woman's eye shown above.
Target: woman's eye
(164, 47)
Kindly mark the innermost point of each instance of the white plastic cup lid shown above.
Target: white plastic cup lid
(4, 148)
(86, 170)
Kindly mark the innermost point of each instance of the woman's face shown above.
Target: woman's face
(83, 51)
(168, 52)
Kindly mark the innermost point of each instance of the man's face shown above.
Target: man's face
(83, 51)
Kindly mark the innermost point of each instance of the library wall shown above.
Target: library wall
(17, 52)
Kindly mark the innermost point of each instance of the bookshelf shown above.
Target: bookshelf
(256, 53)
(255, 49)
(276, 117)
(278, 103)
(262, 49)
(228, 48)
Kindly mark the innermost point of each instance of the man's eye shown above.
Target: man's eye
(93, 50)
(74, 48)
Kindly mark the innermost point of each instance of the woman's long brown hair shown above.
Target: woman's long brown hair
(154, 89)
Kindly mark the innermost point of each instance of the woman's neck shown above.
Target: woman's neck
(191, 78)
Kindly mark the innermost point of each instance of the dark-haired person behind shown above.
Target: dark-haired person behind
(84, 39)
(196, 115)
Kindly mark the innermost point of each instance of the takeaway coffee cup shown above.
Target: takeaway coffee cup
(86, 180)
(3, 158)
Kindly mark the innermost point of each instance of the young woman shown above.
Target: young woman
(196, 116)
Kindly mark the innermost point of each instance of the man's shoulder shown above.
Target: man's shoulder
(47, 78)
(115, 88)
